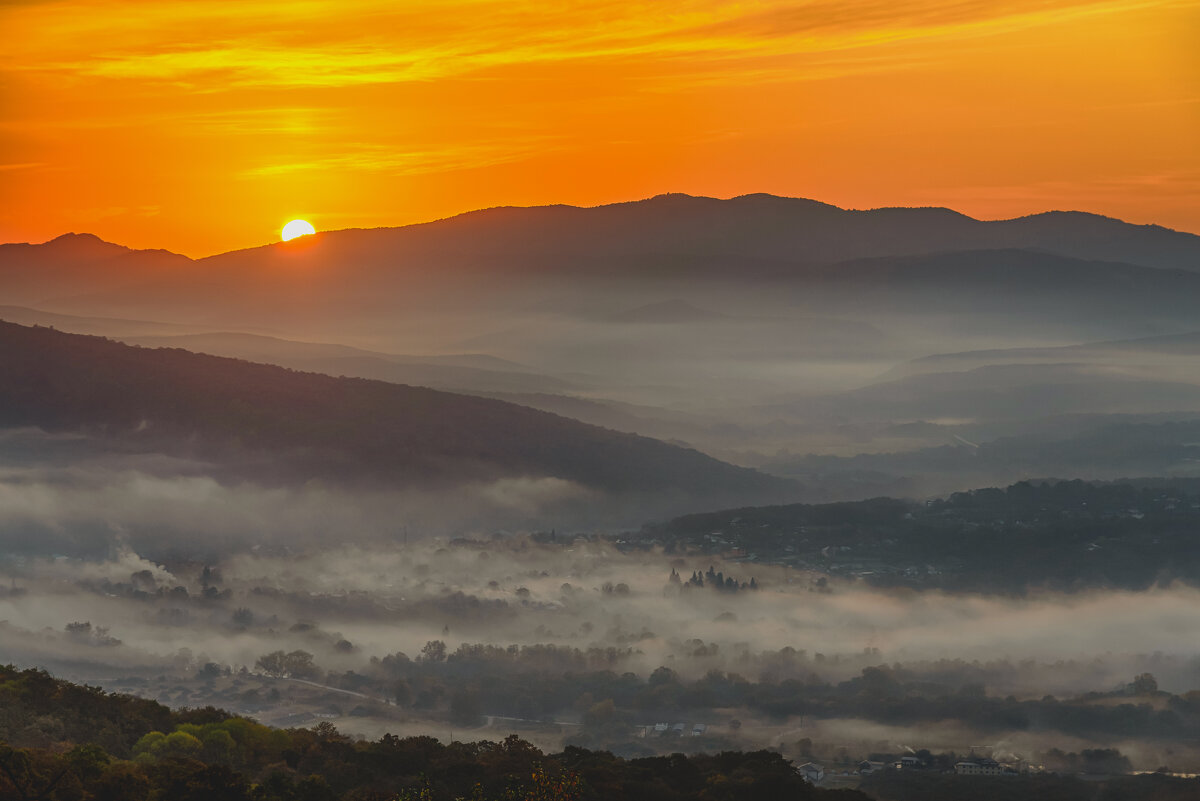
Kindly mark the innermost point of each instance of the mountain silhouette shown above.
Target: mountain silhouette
(496, 252)
(79, 264)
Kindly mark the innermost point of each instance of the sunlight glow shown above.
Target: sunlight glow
(395, 113)
(297, 228)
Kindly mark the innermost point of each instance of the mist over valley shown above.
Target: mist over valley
(680, 475)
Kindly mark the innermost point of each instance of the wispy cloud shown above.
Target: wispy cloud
(247, 64)
(364, 157)
(329, 44)
(628, 97)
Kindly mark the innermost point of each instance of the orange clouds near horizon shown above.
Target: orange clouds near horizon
(203, 126)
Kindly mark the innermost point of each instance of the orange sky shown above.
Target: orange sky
(202, 126)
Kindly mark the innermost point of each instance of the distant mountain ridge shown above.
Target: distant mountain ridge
(565, 255)
(758, 226)
(772, 228)
(1141, 350)
(78, 263)
(748, 327)
(462, 372)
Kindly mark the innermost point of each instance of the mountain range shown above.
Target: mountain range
(768, 332)
(667, 238)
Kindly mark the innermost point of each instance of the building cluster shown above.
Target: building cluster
(983, 767)
(672, 730)
(972, 766)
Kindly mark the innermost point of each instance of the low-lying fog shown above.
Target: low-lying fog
(65, 494)
(147, 574)
(375, 567)
(110, 621)
(583, 594)
(851, 399)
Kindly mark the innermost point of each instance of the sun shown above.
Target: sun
(297, 228)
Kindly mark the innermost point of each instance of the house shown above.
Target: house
(699, 729)
(910, 762)
(979, 767)
(811, 772)
(866, 767)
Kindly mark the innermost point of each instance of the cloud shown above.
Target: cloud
(381, 158)
(217, 45)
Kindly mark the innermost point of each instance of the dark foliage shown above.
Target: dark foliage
(1066, 535)
(209, 756)
(545, 681)
(927, 786)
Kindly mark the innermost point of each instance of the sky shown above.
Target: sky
(203, 126)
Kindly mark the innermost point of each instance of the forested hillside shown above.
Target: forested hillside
(338, 429)
(59, 741)
(1062, 535)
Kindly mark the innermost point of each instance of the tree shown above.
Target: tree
(1144, 684)
(662, 675)
(599, 715)
(271, 664)
(465, 708)
(434, 651)
(211, 670)
(296, 665)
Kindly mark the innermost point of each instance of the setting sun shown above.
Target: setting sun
(396, 113)
(297, 228)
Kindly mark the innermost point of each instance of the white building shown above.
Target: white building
(979, 767)
(812, 772)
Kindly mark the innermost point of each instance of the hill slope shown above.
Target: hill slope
(456, 373)
(331, 428)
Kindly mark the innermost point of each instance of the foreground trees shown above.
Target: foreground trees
(63, 742)
(109, 747)
(321, 765)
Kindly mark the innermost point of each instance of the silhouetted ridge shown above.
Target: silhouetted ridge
(556, 252)
(763, 226)
(73, 237)
(88, 245)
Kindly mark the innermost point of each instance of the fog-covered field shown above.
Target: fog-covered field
(196, 632)
(302, 544)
